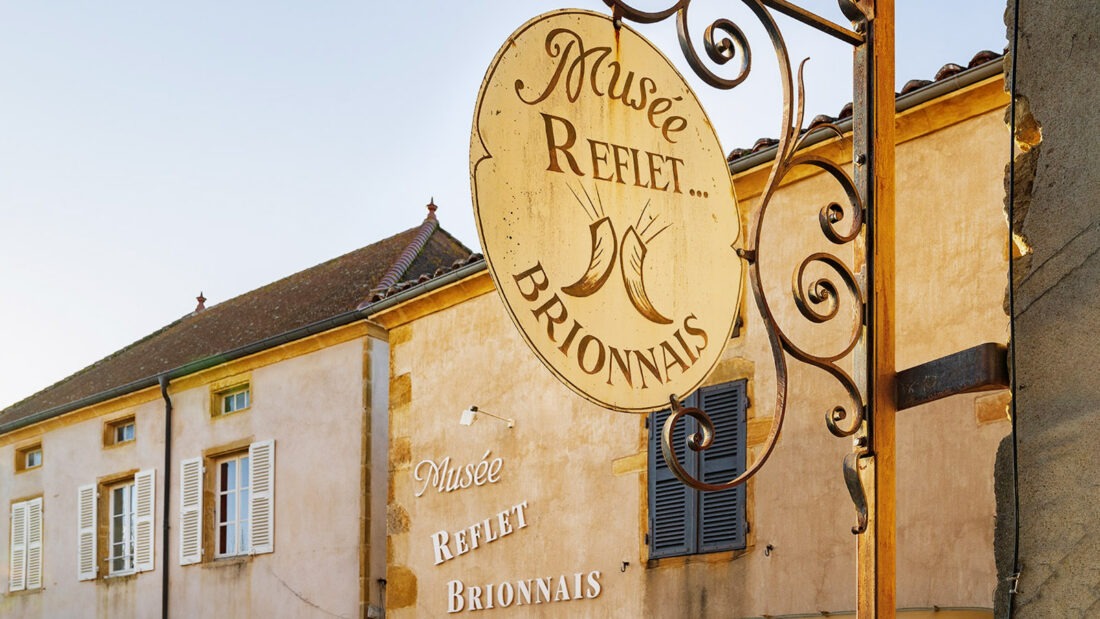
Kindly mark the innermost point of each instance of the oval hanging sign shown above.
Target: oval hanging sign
(605, 210)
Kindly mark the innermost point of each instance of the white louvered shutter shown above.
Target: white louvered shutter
(17, 559)
(145, 487)
(34, 543)
(85, 532)
(261, 484)
(191, 511)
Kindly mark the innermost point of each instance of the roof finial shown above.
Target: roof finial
(202, 302)
(432, 207)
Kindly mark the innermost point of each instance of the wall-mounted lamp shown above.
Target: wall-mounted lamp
(470, 415)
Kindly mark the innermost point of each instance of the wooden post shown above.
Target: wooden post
(876, 588)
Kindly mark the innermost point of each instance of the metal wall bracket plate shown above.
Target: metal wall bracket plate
(981, 368)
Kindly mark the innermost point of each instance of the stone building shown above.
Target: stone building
(230, 464)
(1047, 552)
(557, 507)
(309, 448)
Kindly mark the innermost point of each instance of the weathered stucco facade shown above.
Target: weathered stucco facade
(1056, 225)
(560, 500)
(230, 464)
(319, 475)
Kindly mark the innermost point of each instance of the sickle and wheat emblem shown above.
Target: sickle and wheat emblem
(606, 248)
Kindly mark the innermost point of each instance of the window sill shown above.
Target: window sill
(119, 577)
(724, 556)
(24, 592)
(219, 562)
(221, 415)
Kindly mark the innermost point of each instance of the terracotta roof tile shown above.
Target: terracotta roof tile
(310, 296)
(983, 57)
(945, 72)
(948, 70)
(425, 277)
(912, 85)
(763, 143)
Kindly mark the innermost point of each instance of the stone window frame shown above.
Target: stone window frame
(22, 455)
(198, 502)
(112, 426)
(220, 390)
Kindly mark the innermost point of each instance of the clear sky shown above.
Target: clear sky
(150, 151)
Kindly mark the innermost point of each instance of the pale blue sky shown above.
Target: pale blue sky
(152, 150)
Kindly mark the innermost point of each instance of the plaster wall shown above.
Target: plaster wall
(73, 456)
(581, 469)
(1057, 315)
(312, 406)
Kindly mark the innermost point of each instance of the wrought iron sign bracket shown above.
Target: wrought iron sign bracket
(818, 300)
(867, 221)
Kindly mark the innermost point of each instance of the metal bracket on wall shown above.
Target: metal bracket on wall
(981, 368)
(823, 283)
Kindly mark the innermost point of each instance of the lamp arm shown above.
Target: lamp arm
(477, 410)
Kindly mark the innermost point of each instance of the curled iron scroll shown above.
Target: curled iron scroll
(855, 487)
(817, 300)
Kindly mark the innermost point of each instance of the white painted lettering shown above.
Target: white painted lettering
(494, 469)
(448, 545)
(518, 509)
(445, 478)
(455, 603)
(475, 535)
(543, 592)
(561, 594)
(490, 535)
(474, 594)
(593, 584)
(481, 473)
(524, 592)
(439, 542)
(461, 547)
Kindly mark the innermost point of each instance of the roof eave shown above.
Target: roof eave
(904, 102)
(339, 320)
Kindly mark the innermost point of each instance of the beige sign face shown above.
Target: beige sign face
(605, 210)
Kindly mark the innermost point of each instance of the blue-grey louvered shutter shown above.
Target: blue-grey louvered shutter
(672, 510)
(723, 513)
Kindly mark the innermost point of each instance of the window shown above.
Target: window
(124, 539)
(124, 433)
(237, 400)
(682, 520)
(231, 507)
(241, 486)
(25, 552)
(231, 395)
(120, 431)
(27, 458)
(123, 501)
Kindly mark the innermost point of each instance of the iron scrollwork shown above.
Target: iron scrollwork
(817, 299)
